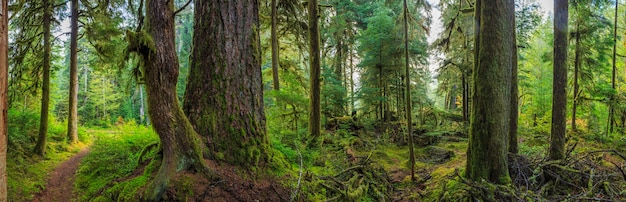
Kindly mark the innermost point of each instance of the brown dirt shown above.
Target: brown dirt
(231, 187)
(60, 183)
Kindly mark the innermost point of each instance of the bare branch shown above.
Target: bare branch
(182, 8)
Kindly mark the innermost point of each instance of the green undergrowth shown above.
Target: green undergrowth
(114, 155)
(110, 172)
(591, 171)
(27, 172)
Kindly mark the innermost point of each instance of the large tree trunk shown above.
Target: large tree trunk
(4, 88)
(559, 94)
(275, 47)
(40, 148)
(182, 148)
(487, 152)
(72, 123)
(224, 95)
(315, 71)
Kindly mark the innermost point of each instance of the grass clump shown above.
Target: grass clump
(113, 155)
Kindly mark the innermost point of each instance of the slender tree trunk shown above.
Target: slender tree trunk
(104, 101)
(275, 46)
(72, 123)
(4, 88)
(576, 69)
(351, 80)
(613, 75)
(380, 92)
(224, 94)
(514, 108)
(452, 101)
(40, 148)
(182, 148)
(315, 70)
(487, 151)
(399, 93)
(142, 115)
(559, 94)
(409, 108)
(339, 74)
(465, 95)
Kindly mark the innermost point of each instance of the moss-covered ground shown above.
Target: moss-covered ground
(349, 163)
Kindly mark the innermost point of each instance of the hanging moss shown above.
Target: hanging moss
(140, 42)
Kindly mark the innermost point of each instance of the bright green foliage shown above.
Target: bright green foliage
(184, 32)
(381, 53)
(333, 94)
(27, 172)
(594, 49)
(103, 96)
(535, 79)
(120, 147)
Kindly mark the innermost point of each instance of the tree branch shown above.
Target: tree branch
(182, 8)
(140, 14)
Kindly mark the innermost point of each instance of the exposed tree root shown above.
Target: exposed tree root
(582, 177)
(365, 179)
(145, 151)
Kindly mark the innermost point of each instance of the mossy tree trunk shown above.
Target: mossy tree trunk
(613, 72)
(513, 116)
(487, 152)
(181, 145)
(40, 148)
(315, 124)
(338, 71)
(4, 88)
(275, 46)
(465, 97)
(577, 55)
(559, 83)
(224, 94)
(352, 109)
(408, 103)
(72, 122)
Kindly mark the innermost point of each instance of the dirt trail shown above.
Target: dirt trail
(60, 183)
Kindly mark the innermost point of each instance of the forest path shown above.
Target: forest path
(60, 183)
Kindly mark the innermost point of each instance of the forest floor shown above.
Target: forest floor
(60, 183)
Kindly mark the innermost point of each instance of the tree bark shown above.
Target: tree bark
(72, 123)
(487, 151)
(4, 88)
(339, 104)
(559, 94)
(409, 108)
(577, 53)
(465, 98)
(224, 95)
(275, 47)
(351, 80)
(181, 146)
(40, 148)
(514, 108)
(613, 74)
(315, 71)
